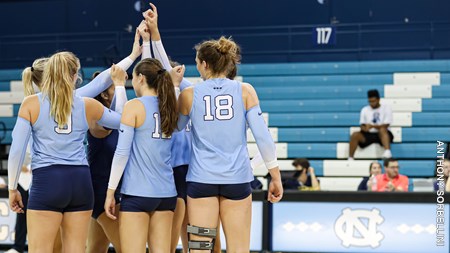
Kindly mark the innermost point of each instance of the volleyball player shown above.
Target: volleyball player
(143, 157)
(219, 173)
(61, 192)
(181, 145)
(100, 151)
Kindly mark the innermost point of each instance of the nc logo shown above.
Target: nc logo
(350, 222)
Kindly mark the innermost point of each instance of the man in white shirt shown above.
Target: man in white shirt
(375, 119)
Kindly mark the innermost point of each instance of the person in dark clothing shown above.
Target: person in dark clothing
(374, 169)
(304, 178)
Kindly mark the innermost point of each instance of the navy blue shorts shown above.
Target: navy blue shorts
(99, 204)
(179, 173)
(145, 204)
(100, 186)
(229, 191)
(61, 188)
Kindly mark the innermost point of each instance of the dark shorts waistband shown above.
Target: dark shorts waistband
(229, 191)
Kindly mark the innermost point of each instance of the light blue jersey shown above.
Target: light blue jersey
(52, 145)
(148, 172)
(181, 147)
(219, 140)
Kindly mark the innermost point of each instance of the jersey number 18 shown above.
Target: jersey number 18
(224, 108)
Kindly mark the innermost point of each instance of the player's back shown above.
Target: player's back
(100, 152)
(148, 172)
(219, 144)
(53, 145)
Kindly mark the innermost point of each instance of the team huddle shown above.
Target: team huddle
(173, 161)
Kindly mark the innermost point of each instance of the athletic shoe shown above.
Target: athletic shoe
(12, 251)
(387, 154)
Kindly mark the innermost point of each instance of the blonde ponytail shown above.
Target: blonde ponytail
(58, 85)
(27, 76)
(34, 75)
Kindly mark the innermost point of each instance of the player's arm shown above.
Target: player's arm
(151, 19)
(20, 137)
(122, 153)
(264, 140)
(365, 127)
(103, 80)
(119, 77)
(315, 184)
(184, 107)
(380, 126)
(145, 35)
(404, 185)
(96, 113)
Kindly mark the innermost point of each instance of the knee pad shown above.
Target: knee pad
(204, 232)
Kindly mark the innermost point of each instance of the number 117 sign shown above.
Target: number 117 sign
(324, 36)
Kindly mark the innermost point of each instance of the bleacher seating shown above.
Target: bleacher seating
(312, 109)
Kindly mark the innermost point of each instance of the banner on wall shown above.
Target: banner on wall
(360, 227)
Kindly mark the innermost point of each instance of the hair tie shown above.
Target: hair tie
(161, 71)
(32, 69)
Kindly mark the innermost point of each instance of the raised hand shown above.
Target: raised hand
(137, 49)
(177, 75)
(118, 75)
(144, 31)
(151, 19)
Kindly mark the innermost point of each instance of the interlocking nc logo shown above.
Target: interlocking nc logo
(350, 222)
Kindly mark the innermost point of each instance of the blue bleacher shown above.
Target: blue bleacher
(313, 119)
(343, 68)
(319, 92)
(10, 74)
(342, 134)
(435, 105)
(320, 80)
(316, 105)
(428, 134)
(8, 121)
(431, 119)
(5, 137)
(441, 91)
(5, 86)
(331, 134)
(328, 150)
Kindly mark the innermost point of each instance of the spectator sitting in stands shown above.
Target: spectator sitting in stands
(304, 177)
(391, 180)
(374, 170)
(375, 119)
(446, 167)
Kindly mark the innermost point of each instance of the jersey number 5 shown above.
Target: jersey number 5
(67, 129)
(224, 108)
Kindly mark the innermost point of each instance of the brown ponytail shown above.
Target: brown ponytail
(159, 79)
(34, 75)
(221, 55)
